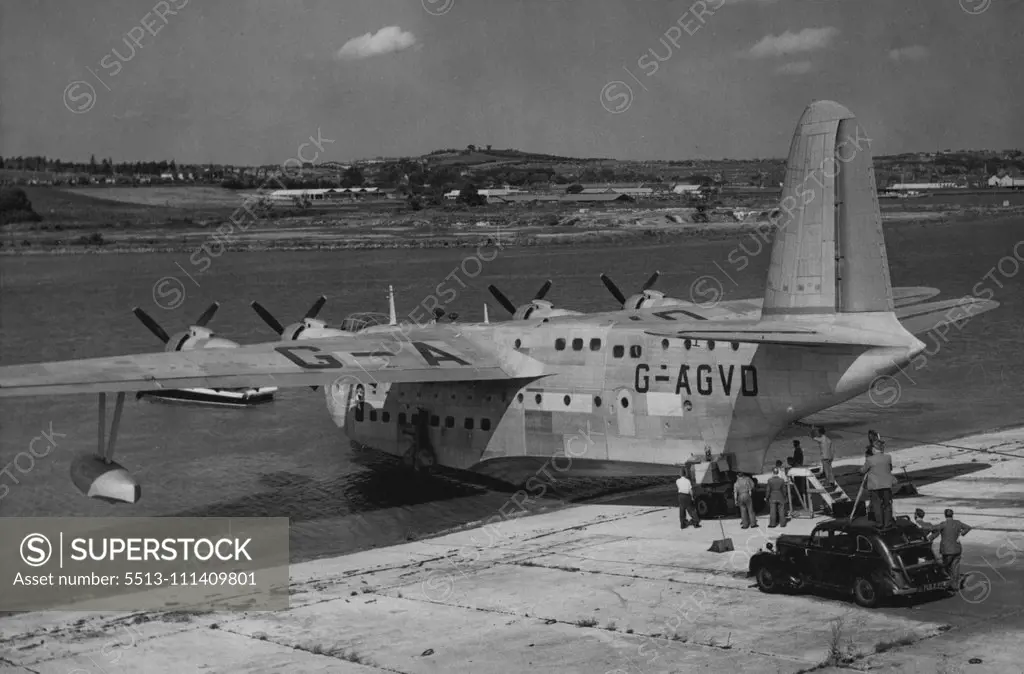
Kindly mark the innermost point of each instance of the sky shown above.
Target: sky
(250, 81)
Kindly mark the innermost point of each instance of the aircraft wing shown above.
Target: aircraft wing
(425, 355)
(920, 318)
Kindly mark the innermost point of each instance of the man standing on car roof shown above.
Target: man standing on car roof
(879, 478)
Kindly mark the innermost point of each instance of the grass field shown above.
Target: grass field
(185, 196)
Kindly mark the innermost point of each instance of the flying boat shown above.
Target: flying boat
(638, 391)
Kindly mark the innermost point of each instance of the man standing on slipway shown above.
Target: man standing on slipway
(685, 490)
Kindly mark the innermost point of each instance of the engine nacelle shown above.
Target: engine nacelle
(198, 338)
(541, 309)
(310, 328)
(108, 482)
(649, 299)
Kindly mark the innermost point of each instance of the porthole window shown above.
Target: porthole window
(597, 401)
(577, 344)
(625, 402)
(518, 343)
(469, 424)
(373, 415)
(735, 346)
(560, 344)
(567, 400)
(485, 424)
(687, 344)
(687, 405)
(634, 351)
(595, 344)
(435, 420)
(519, 397)
(618, 350)
(664, 344)
(711, 345)
(401, 417)
(449, 422)
(385, 417)
(537, 398)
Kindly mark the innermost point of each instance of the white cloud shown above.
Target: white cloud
(795, 68)
(808, 39)
(913, 53)
(384, 41)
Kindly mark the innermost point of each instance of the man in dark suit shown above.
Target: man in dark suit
(776, 499)
(950, 531)
(878, 469)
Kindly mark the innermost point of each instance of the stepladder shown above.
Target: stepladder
(818, 499)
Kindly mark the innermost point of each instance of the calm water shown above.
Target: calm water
(288, 459)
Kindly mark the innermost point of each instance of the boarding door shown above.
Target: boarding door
(625, 411)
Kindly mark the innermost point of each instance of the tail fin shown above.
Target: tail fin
(829, 252)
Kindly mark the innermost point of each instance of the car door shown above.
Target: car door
(816, 558)
(865, 559)
(843, 563)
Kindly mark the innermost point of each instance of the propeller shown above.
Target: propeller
(295, 329)
(197, 329)
(511, 308)
(276, 326)
(614, 289)
(153, 326)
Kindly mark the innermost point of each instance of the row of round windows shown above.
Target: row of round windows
(624, 401)
(618, 351)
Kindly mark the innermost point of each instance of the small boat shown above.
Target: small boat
(230, 397)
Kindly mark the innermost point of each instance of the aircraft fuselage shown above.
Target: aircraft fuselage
(617, 401)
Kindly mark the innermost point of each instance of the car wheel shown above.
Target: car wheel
(767, 580)
(866, 593)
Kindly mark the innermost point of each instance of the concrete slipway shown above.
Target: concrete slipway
(613, 587)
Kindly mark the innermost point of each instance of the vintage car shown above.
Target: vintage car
(855, 557)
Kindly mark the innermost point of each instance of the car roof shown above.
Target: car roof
(862, 525)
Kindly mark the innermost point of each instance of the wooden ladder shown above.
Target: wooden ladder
(829, 497)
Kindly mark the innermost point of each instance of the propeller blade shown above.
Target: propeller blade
(651, 281)
(502, 300)
(207, 315)
(152, 325)
(267, 318)
(613, 289)
(317, 306)
(543, 291)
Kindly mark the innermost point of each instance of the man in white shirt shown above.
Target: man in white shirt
(685, 490)
(827, 454)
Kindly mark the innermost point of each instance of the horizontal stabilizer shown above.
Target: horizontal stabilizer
(784, 333)
(441, 356)
(901, 297)
(920, 318)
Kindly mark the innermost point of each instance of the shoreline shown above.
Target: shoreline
(609, 587)
(320, 237)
